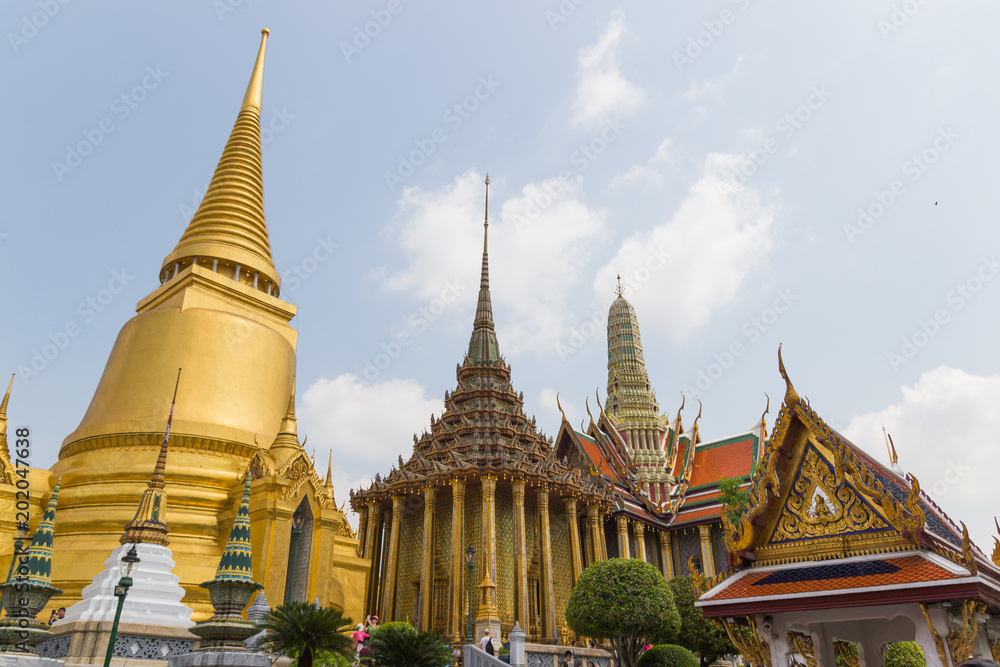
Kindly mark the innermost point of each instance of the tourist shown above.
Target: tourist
(486, 643)
(567, 658)
(54, 617)
(61, 612)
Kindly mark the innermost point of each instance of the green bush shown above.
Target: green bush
(904, 654)
(626, 601)
(668, 655)
(394, 626)
(697, 634)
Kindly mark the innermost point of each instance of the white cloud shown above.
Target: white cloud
(366, 425)
(648, 172)
(602, 90)
(945, 430)
(539, 243)
(718, 236)
(547, 397)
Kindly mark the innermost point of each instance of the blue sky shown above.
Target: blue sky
(817, 175)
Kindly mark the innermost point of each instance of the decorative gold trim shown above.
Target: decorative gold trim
(960, 639)
(747, 641)
(938, 644)
(847, 653)
(802, 644)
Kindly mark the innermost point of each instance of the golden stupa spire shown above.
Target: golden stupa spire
(147, 525)
(286, 444)
(328, 484)
(228, 233)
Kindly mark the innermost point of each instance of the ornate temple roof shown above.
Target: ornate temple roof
(827, 525)
(483, 428)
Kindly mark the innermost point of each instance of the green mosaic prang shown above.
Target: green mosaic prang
(40, 549)
(236, 563)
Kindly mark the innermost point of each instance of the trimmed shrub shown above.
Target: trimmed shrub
(668, 655)
(904, 654)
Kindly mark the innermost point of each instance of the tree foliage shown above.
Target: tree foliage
(733, 498)
(696, 634)
(300, 629)
(904, 654)
(398, 644)
(626, 601)
(668, 655)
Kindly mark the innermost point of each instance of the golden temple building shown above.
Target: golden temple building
(218, 315)
(536, 510)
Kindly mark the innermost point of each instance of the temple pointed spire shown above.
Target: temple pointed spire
(228, 233)
(3, 419)
(328, 484)
(290, 424)
(40, 549)
(236, 562)
(483, 347)
(147, 525)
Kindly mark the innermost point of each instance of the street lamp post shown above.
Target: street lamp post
(128, 564)
(297, 521)
(470, 557)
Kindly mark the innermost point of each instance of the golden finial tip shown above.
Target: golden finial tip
(265, 32)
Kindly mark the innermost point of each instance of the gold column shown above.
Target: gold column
(520, 555)
(707, 558)
(574, 538)
(623, 545)
(374, 528)
(457, 560)
(596, 532)
(549, 630)
(666, 555)
(488, 604)
(392, 558)
(427, 558)
(640, 541)
(363, 530)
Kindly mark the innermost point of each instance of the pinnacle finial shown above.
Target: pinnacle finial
(483, 346)
(791, 396)
(620, 289)
(256, 86)
(3, 407)
(329, 471)
(288, 424)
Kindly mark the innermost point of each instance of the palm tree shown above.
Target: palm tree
(402, 646)
(302, 629)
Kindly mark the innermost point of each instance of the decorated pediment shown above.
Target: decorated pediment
(816, 496)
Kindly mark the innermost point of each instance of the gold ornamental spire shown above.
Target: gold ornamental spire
(289, 423)
(228, 232)
(328, 484)
(483, 347)
(3, 408)
(147, 525)
(286, 444)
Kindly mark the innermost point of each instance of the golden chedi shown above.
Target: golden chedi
(218, 315)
